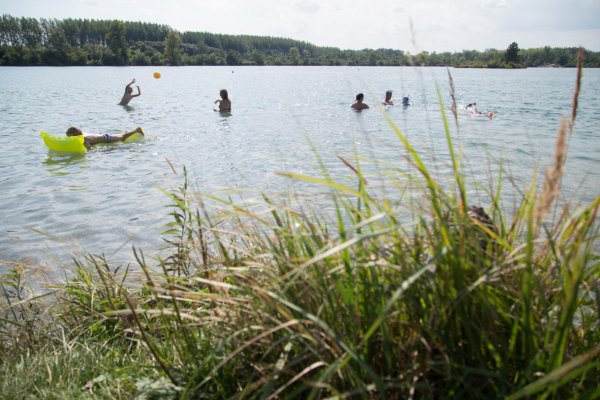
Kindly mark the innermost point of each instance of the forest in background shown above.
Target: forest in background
(76, 42)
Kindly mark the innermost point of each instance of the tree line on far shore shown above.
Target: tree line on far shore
(50, 42)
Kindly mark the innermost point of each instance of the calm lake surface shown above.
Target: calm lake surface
(53, 207)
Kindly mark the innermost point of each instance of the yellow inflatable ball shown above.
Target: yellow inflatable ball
(156, 75)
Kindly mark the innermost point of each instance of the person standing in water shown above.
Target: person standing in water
(388, 99)
(358, 104)
(128, 95)
(224, 102)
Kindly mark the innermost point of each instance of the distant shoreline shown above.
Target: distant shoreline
(82, 42)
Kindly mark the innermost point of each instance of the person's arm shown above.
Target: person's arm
(86, 144)
(129, 84)
(138, 93)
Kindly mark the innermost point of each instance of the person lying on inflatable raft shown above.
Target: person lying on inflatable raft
(472, 108)
(90, 140)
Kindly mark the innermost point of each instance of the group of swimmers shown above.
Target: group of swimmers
(225, 106)
(89, 140)
(387, 101)
(224, 102)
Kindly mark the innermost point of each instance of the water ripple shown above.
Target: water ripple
(104, 201)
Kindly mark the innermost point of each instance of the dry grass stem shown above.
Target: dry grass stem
(347, 164)
(452, 95)
(580, 56)
(553, 175)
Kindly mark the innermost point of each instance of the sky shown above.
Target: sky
(409, 25)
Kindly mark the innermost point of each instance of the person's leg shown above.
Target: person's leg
(133, 132)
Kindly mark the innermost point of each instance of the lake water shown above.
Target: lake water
(107, 200)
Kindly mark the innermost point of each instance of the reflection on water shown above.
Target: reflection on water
(58, 163)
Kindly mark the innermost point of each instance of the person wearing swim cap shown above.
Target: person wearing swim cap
(128, 95)
(90, 140)
(405, 101)
(388, 99)
(358, 104)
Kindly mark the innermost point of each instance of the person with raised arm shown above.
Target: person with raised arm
(128, 95)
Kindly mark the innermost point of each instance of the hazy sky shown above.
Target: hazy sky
(437, 25)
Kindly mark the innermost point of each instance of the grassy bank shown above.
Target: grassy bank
(272, 298)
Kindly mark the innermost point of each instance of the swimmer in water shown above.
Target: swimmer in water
(472, 108)
(224, 102)
(128, 95)
(358, 104)
(90, 140)
(388, 99)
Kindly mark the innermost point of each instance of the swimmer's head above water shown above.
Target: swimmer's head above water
(74, 131)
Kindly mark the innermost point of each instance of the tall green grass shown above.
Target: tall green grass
(269, 299)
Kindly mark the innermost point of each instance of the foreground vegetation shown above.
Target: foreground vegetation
(269, 299)
(29, 41)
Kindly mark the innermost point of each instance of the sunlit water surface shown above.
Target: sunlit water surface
(105, 201)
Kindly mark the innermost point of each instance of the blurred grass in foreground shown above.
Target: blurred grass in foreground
(267, 300)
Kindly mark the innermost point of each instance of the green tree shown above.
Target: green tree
(12, 35)
(56, 52)
(173, 48)
(295, 55)
(117, 43)
(512, 53)
(32, 32)
(257, 57)
(232, 58)
(72, 30)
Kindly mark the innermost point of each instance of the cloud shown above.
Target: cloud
(554, 15)
(92, 3)
(494, 4)
(308, 6)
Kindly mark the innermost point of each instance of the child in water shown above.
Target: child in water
(128, 95)
(224, 102)
(388, 99)
(358, 104)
